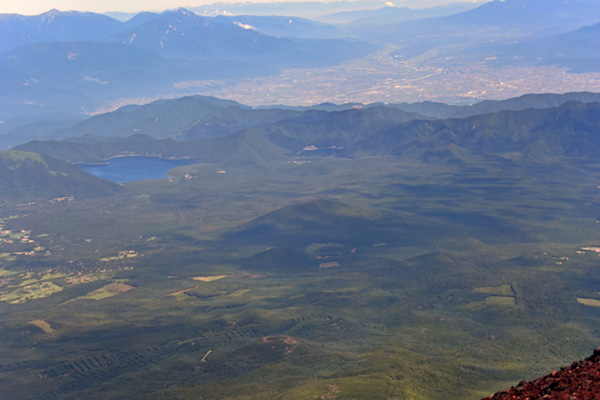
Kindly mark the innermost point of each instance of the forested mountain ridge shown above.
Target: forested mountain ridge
(569, 130)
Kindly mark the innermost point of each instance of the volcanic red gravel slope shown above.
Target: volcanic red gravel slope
(579, 381)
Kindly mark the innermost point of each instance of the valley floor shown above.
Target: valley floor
(371, 278)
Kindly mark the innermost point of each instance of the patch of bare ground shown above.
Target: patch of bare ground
(179, 291)
(120, 288)
(290, 343)
(331, 264)
(43, 325)
(332, 391)
(209, 278)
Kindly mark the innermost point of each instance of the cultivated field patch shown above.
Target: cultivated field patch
(504, 290)
(588, 302)
(121, 255)
(209, 278)
(30, 292)
(43, 325)
(112, 289)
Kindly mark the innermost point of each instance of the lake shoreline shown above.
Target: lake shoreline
(130, 167)
(107, 160)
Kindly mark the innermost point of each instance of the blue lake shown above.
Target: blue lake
(135, 168)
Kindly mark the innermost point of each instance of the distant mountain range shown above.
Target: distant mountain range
(69, 63)
(54, 26)
(572, 50)
(535, 16)
(282, 26)
(514, 32)
(533, 127)
(76, 61)
(159, 119)
(538, 101)
(387, 15)
(305, 9)
(504, 19)
(570, 130)
(184, 34)
(197, 117)
(73, 26)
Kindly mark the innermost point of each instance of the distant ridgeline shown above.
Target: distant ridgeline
(93, 58)
(225, 133)
(57, 64)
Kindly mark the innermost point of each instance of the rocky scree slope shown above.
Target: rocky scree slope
(579, 381)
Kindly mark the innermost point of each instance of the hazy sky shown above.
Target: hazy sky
(34, 7)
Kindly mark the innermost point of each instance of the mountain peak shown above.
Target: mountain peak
(50, 14)
(180, 14)
(56, 13)
(183, 11)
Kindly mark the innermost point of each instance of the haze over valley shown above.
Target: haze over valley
(63, 65)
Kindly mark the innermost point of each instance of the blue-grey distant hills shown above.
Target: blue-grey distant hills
(197, 117)
(194, 118)
(59, 66)
(62, 26)
(387, 15)
(217, 132)
(75, 61)
(75, 66)
(568, 131)
(575, 50)
(18, 30)
(495, 20)
(528, 15)
(69, 26)
(537, 101)
(304, 9)
(169, 118)
(271, 25)
(46, 78)
(499, 33)
(183, 34)
(281, 26)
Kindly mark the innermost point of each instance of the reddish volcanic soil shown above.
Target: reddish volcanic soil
(579, 381)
